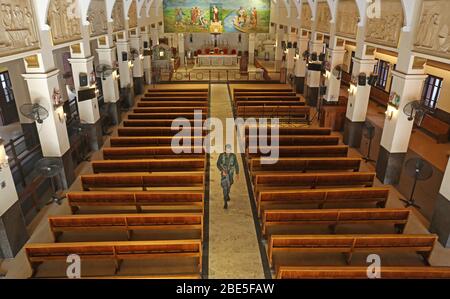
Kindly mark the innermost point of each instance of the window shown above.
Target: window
(7, 87)
(431, 91)
(350, 70)
(382, 69)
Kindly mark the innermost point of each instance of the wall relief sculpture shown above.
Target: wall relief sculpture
(98, 23)
(323, 17)
(347, 18)
(306, 16)
(433, 33)
(18, 31)
(386, 29)
(132, 15)
(118, 16)
(64, 21)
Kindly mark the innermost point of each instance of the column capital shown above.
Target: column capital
(81, 59)
(418, 76)
(49, 74)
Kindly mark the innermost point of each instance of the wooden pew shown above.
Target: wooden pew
(267, 103)
(177, 98)
(143, 181)
(170, 109)
(171, 104)
(158, 131)
(138, 199)
(276, 89)
(295, 140)
(266, 98)
(263, 93)
(277, 181)
(291, 131)
(334, 217)
(343, 272)
(136, 123)
(152, 141)
(299, 151)
(168, 115)
(436, 128)
(168, 90)
(304, 164)
(321, 197)
(169, 95)
(293, 113)
(349, 244)
(126, 223)
(153, 152)
(149, 165)
(114, 251)
(156, 276)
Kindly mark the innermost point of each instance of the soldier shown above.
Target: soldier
(228, 165)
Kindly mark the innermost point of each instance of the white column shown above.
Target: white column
(13, 231)
(123, 49)
(181, 51)
(251, 49)
(279, 49)
(147, 62)
(292, 37)
(439, 222)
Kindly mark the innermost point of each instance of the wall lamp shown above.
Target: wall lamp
(3, 157)
(353, 88)
(390, 112)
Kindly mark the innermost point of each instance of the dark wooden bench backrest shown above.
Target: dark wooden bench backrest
(350, 243)
(305, 164)
(296, 140)
(149, 165)
(170, 109)
(300, 151)
(161, 131)
(193, 103)
(290, 131)
(315, 179)
(136, 123)
(152, 141)
(139, 180)
(117, 153)
(167, 115)
(343, 272)
(323, 196)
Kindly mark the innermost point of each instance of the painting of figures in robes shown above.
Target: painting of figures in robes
(216, 16)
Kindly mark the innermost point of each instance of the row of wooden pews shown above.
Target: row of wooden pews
(278, 103)
(320, 214)
(146, 197)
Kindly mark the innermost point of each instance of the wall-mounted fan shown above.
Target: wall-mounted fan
(34, 111)
(103, 71)
(419, 170)
(134, 54)
(51, 168)
(415, 111)
(337, 71)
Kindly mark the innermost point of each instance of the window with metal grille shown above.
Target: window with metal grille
(6, 85)
(431, 91)
(382, 69)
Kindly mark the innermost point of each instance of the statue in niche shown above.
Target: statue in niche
(18, 31)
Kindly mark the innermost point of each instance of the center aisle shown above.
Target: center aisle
(233, 245)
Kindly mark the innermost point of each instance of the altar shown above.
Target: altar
(218, 60)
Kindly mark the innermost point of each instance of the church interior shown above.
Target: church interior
(338, 169)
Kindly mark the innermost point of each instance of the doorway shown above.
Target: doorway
(8, 109)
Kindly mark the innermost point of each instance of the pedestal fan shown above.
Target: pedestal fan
(419, 170)
(51, 168)
(369, 134)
